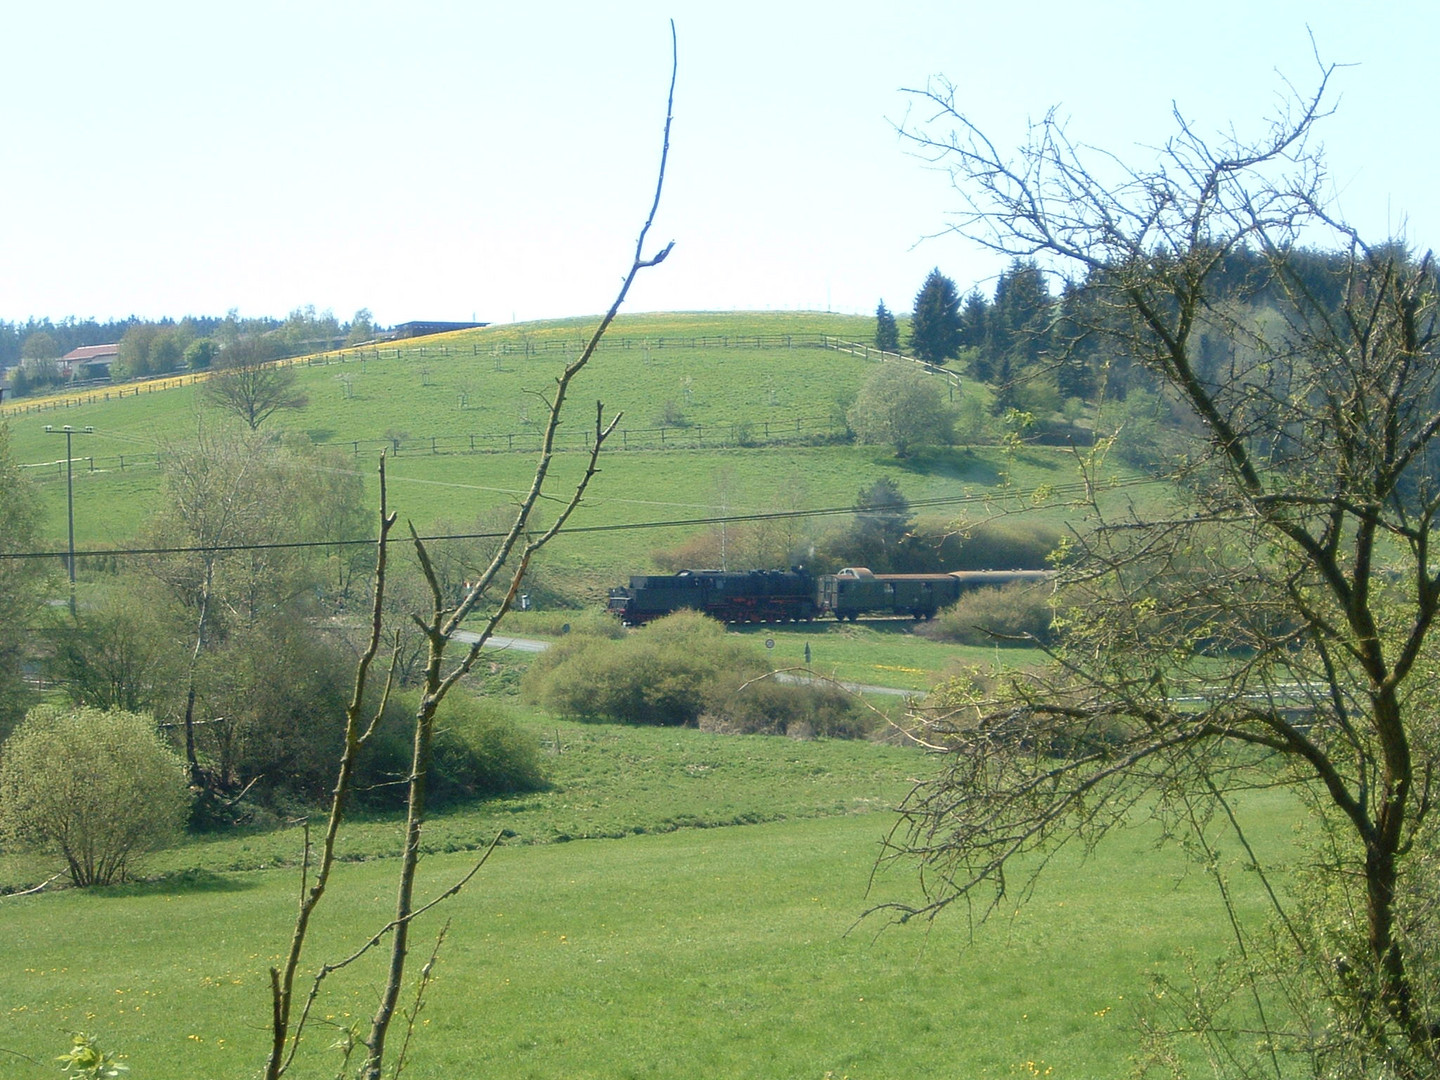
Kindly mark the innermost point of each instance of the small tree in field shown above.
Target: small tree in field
(248, 384)
(887, 334)
(99, 787)
(901, 405)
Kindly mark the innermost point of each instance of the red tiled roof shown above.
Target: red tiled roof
(92, 352)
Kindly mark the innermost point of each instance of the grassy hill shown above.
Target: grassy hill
(733, 413)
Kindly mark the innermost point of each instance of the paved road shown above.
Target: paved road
(503, 641)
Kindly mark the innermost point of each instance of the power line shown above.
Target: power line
(674, 523)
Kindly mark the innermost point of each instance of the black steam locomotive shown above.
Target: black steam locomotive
(772, 596)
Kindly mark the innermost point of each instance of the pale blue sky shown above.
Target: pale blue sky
(443, 160)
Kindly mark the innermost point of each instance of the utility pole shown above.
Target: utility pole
(68, 431)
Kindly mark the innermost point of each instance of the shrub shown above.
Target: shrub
(666, 673)
(99, 787)
(478, 751)
(768, 707)
(275, 695)
(1000, 544)
(1009, 610)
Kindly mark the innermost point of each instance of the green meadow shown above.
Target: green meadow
(634, 925)
(675, 903)
(756, 425)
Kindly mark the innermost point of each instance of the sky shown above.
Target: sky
(459, 161)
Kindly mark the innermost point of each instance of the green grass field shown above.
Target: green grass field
(772, 392)
(657, 952)
(677, 903)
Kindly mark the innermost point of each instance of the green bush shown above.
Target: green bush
(274, 696)
(685, 669)
(478, 751)
(666, 673)
(99, 787)
(1008, 610)
(768, 707)
(999, 544)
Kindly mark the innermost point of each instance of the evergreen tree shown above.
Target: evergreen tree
(1020, 318)
(972, 320)
(887, 334)
(935, 326)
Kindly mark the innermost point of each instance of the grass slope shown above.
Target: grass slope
(719, 951)
(485, 383)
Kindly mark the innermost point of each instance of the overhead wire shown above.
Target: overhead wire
(988, 496)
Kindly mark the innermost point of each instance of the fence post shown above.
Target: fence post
(122, 462)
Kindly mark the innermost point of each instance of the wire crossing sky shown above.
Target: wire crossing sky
(475, 160)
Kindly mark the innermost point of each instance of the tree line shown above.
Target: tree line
(32, 350)
(1044, 346)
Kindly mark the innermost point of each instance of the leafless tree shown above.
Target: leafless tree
(247, 383)
(504, 573)
(1276, 627)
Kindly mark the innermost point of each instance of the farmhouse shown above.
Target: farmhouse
(89, 361)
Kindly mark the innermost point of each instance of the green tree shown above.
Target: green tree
(247, 383)
(882, 526)
(133, 361)
(120, 653)
(201, 353)
(1020, 317)
(167, 350)
(361, 328)
(100, 788)
(935, 325)
(41, 345)
(1275, 629)
(901, 405)
(887, 334)
(974, 318)
(19, 581)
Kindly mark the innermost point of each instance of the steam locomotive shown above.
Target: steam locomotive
(796, 595)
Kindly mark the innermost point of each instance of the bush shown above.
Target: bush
(275, 696)
(99, 787)
(478, 751)
(666, 673)
(1008, 610)
(1000, 544)
(768, 707)
(685, 669)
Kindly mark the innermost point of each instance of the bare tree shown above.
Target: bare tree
(505, 571)
(1276, 629)
(247, 383)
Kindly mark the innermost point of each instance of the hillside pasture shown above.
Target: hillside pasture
(733, 951)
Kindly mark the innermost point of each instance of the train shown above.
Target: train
(796, 595)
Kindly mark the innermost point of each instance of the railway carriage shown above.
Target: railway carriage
(796, 595)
